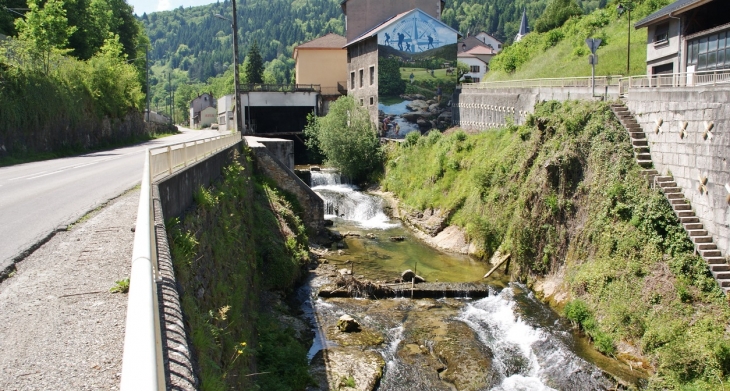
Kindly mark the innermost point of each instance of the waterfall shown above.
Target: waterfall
(528, 356)
(345, 201)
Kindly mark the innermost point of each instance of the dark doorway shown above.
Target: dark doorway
(278, 119)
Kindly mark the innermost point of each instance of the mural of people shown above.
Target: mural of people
(414, 73)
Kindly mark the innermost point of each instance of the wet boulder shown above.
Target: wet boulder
(416, 115)
(417, 105)
(347, 324)
(434, 108)
(409, 275)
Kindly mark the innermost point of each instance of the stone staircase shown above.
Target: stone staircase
(703, 242)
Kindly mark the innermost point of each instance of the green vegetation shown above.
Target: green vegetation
(50, 92)
(253, 68)
(563, 192)
(348, 140)
(556, 13)
(241, 239)
(565, 49)
(120, 286)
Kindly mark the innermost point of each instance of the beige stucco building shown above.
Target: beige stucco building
(323, 61)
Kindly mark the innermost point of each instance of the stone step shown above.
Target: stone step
(720, 267)
(716, 261)
(644, 163)
(667, 184)
(643, 156)
(641, 149)
(640, 143)
(649, 172)
(693, 226)
(631, 124)
(706, 246)
(677, 201)
(637, 135)
(674, 196)
(665, 179)
(691, 219)
(685, 214)
(697, 232)
(710, 253)
(668, 190)
(720, 276)
(702, 239)
(724, 283)
(681, 207)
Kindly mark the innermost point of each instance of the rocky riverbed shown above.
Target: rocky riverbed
(415, 112)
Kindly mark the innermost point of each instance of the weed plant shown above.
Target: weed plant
(242, 237)
(563, 192)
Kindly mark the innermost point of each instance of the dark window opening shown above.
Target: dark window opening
(352, 80)
(661, 34)
(475, 69)
(362, 78)
(372, 101)
(372, 76)
(663, 69)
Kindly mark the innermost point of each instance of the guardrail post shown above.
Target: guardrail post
(169, 160)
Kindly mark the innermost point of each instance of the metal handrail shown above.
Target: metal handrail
(142, 361)
(680, 79)
(569, 82)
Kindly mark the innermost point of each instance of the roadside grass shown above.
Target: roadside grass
(29, 157)
(563, 192)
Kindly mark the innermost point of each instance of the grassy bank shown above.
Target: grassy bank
(563, 194)
(241, 239)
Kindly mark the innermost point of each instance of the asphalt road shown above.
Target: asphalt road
(37, 198)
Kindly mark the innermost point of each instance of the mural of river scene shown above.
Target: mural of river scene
(506, 341)
(416, 74)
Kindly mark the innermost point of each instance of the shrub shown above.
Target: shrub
(556, 13)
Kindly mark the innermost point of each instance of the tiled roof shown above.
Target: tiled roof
(329, 41)
(481, 50)
(676, 6)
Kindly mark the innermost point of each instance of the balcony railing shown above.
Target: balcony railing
(566, 82)
(684, 79)
(280, 88)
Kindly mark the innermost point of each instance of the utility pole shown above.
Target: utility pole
(236, 81)
(169, 96)
(147, 80)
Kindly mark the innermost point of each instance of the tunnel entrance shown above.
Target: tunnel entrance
(278, 119)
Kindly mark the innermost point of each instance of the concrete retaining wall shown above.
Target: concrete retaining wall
(176, 191)
(286, 179)
(481, 109)
(682, 146)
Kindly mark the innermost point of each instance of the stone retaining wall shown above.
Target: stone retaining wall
(688, 134)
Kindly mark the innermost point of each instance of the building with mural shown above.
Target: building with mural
(403, 70)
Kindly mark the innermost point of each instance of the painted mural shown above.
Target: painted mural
(416, 74)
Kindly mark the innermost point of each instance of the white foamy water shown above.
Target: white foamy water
(342, 200)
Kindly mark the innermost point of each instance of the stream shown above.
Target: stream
(506, 341)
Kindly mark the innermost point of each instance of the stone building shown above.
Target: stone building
(688, 36)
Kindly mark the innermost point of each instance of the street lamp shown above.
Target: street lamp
(627, 6)
(236, 84)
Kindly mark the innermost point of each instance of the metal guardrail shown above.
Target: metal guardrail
(683, 79)
(142, 362)
(567, 82)
(166, 160)
(279, 87)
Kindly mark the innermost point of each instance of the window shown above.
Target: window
(372, 101)
(709, 52)
(475, 80)
(499, 46)
(475, 69)
(372, 76)
(362, 78)
(352, 80)
(362, 102)
(661, 34)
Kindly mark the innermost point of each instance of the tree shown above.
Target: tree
(46, 30)
(389, 81)
(254, 65)
(462, 69)
(347, 138)
(557, 13)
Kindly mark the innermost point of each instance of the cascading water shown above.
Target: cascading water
(528, 355)
(343, 200)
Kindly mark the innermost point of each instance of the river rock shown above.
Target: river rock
(417, 105)
(468, 362)
(409, 275)
(351, 234)
(371, 236)
(430, 221)
(347, 323)
(434, 108)
(345, 272)
(414, 116)
(423, 124)
(332, 369)
(397, 238)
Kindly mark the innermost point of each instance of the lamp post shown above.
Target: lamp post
(236, 83)
(627, 6)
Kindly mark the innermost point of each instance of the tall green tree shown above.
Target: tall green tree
(347, 138)
(46, 31)
(556, 13)
(253, 68)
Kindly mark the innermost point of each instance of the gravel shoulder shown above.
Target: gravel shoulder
(60, 327)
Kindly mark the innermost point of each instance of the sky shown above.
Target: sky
(142, 6)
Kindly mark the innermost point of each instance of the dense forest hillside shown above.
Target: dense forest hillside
(191, 46)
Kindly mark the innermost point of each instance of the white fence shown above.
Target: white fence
(167, 160)
(684, 79)
(142, 363)
(568, 82)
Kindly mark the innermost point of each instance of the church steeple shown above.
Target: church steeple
(523, 26)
